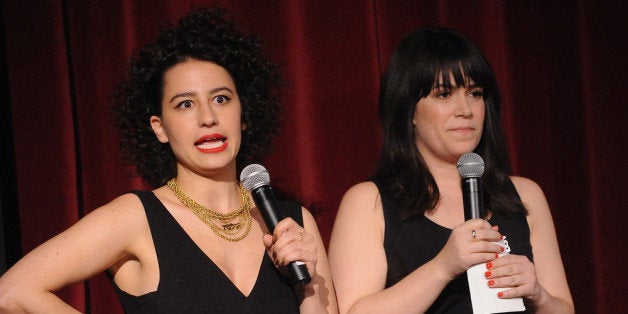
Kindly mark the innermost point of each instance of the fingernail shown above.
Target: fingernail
(487, 274)
(496, 255)
(489, 265)
(501, 249)
(491, 282)
(499, 294)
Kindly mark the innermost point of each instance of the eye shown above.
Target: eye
(222, 99)
(477, 93)
(442, 93)
(186, 104)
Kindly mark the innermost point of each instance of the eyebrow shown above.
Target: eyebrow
(441, 85)
(191, 94)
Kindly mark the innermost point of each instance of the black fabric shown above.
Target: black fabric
(190, 282)
(411, 243)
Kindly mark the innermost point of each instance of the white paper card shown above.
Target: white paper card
(484, 298)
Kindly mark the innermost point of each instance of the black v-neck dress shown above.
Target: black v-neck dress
(190, 282)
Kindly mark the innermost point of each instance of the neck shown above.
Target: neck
(232, 225)
(446, 176)
(220, 193)
(442, 170)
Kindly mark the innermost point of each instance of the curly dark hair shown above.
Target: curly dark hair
(421, 59)
(207, 35)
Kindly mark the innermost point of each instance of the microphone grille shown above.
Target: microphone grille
(254, 176)
(470, 165)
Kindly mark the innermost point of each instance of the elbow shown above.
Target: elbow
(554, 305)
(569, 307)
(9, 300)
(350, 308)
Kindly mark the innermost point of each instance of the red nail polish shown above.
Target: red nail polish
(491, 282)
(489, 265)
(487, 274)
(501, 249)
(499, 294)
(496, 255)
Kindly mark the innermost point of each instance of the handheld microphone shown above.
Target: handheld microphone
(471, 167)
(255, 178)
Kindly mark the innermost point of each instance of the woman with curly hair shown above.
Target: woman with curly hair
(197, 106)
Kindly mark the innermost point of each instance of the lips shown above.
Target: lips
(463, 128)
(213, 143)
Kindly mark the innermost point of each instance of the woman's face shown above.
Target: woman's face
(448, 122)
(201, 116)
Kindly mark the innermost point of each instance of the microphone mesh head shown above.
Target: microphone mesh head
(254, 176)
(470, 165)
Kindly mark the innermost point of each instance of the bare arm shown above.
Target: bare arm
(358, 259)
(543, 284)
(318, 296)
(321, 290)
(78, 253)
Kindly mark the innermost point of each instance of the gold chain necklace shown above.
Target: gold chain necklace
(229, 226)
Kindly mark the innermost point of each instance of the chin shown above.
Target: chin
(467, 148)
(459, 153)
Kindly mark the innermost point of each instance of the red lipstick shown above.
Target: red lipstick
(212, 143)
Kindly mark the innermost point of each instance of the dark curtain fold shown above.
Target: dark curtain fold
(561, 68)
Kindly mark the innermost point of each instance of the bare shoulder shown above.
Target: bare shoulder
(124, 225)
(534, 200)
(526, 186)
(362, 196)
(309, 222)
(356, 246)
(125, 202)
(124, 208)
(360, 212)
(121, 222)
(307, 216)
(363, 188)
(531, 193)
(117, 226)
(92, 244)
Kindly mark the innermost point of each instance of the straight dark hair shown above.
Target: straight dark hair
(425, 58)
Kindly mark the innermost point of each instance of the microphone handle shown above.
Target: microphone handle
(472, 198)
(267, 204)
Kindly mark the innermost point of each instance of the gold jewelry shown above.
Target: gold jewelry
(229, 226)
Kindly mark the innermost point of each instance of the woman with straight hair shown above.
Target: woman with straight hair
(400, 242)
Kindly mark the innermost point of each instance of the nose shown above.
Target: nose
(207, 116)
(463, 106)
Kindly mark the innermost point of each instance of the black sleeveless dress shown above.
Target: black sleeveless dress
(411, 243)
(190, 282)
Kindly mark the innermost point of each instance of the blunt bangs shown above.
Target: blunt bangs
(449, 57)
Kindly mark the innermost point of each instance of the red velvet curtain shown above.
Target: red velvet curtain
(561, 68)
